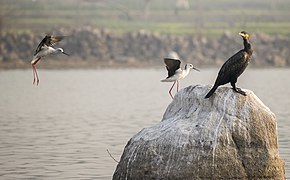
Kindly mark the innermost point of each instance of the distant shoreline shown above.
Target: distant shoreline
(80, 64)
(76, 64)
(97, 48)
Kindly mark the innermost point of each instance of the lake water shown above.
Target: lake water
(62, 128)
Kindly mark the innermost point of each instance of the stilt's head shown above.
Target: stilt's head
(244, 35)
(60, 50)
(190, 66)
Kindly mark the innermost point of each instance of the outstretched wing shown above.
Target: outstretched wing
(172, 65)
(48, 40)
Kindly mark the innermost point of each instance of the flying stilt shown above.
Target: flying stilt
(175, 73)
(44, 49)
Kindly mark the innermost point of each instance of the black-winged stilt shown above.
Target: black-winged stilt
(44, 49)
(175, 73)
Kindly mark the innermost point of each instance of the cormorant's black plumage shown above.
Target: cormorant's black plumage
(234, 67)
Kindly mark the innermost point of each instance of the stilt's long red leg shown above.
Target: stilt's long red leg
(177, 85)
(35, 75)
(171, 89)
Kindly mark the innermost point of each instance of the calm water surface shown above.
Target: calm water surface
(62, 128)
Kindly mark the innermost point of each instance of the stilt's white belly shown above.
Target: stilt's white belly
(179, 75)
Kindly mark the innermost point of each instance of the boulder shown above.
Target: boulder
(228, 136)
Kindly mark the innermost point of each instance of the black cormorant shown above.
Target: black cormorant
(234, 67)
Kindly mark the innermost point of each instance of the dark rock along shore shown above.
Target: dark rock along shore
(228, 136)
(103, 47)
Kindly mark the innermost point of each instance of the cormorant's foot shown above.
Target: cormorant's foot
(239, 90)
(242, 92)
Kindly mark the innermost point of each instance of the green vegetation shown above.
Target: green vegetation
(203, 16)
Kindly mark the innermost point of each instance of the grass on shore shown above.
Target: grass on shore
(206, 17)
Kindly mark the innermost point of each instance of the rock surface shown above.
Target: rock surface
(228, 136)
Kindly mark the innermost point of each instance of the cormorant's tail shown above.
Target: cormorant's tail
(211, 92)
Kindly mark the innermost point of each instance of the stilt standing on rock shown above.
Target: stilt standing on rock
(234, 67)
(44, 49)
(175, 73)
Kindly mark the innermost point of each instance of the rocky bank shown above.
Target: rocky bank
(98, 46)
(228, 136)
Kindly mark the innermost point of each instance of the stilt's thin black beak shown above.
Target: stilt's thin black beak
(196, 69)
(65, 53)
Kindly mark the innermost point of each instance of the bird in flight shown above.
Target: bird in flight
(44, 49)
(234, 67)
(175, 73)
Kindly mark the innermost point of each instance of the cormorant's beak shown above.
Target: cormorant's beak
(244, 35)
(65, 53)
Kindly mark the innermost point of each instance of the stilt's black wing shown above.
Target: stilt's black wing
(172, 65)
(48, 40)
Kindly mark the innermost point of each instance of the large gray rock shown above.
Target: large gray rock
(228, 136)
